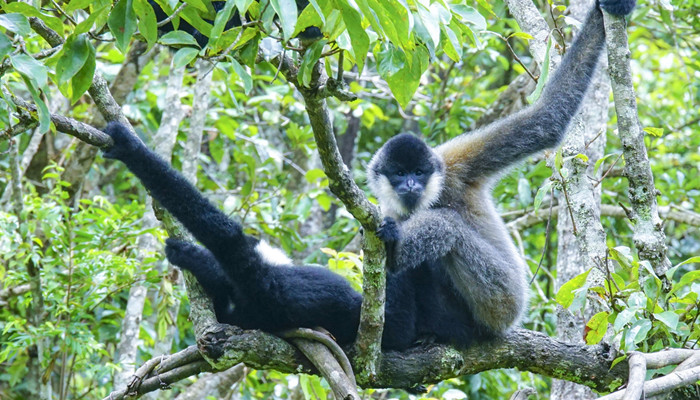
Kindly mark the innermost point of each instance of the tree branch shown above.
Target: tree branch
(649, 238)
(226, 346)
(343, 186)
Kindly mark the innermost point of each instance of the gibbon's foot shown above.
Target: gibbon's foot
(177, 251)
(617, 7)
(125, 143)
(388, 231)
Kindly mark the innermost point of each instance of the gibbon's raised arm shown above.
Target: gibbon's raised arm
(483, 153)
(214, 229)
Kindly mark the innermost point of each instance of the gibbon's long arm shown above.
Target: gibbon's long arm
(474, 156)
(216, 231)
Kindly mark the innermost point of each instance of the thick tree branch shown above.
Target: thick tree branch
(649, 237)
(342, 184)
(526, 350)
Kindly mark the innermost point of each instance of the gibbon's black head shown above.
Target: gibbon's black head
(405, 175)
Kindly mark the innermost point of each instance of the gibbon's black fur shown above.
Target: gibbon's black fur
(454, 275)
(310, 33)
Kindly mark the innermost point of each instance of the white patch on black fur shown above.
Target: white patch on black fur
(272, 255)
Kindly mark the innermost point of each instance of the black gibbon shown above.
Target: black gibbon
(454, 275)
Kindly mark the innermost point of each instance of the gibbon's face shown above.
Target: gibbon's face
(405, 175)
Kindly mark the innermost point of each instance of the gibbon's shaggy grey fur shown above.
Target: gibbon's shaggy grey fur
(455, 276)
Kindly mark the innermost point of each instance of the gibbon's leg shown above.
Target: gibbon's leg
(203, 265)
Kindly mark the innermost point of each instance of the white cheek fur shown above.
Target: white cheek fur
(388, 199)
(272, 255)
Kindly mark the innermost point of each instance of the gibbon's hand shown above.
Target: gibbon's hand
(617, 7)
(125, 145)
(389, 231)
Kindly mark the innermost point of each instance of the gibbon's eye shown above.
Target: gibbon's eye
(400, 173)
(419, 172)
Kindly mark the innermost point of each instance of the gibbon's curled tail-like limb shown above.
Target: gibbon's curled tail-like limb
(454, 277)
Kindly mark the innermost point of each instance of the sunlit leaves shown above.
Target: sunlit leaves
(184, 56)
(76, 64)
(596, 327)
(35, 77)
(573, 291)
(313, 53)
(16, 23)
(148, 26)
(178, 39)
(287, 12)
(122, 23)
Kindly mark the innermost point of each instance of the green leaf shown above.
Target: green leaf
(565, 295)
(72, 57)
(287, 11)
(147, 22)
(5, 45)
(600, 162)
(77, 5)
(637, 332)
(453, 45)
(85, 25)
(658, 132)
(358, 35)
(30, 68)
(470, 15)
(28, 10)
(42, 110)
(394, 20)
(390, 60)
(184, 56)
(669, 318)
(403, 83)
(193, 17)
(622, 255)
(199, 5)
(308, 17)
(242, 5)
(431, 22)
(686, 279)
(244, 75)
(16, 23)
(623, 318)
(521, 35)
(315, 174)
(122, 23)
(222, 17)
(541, 192)
(178, 38)
(542, 80)
(82, 80)
(309, 61)
(598, 325)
